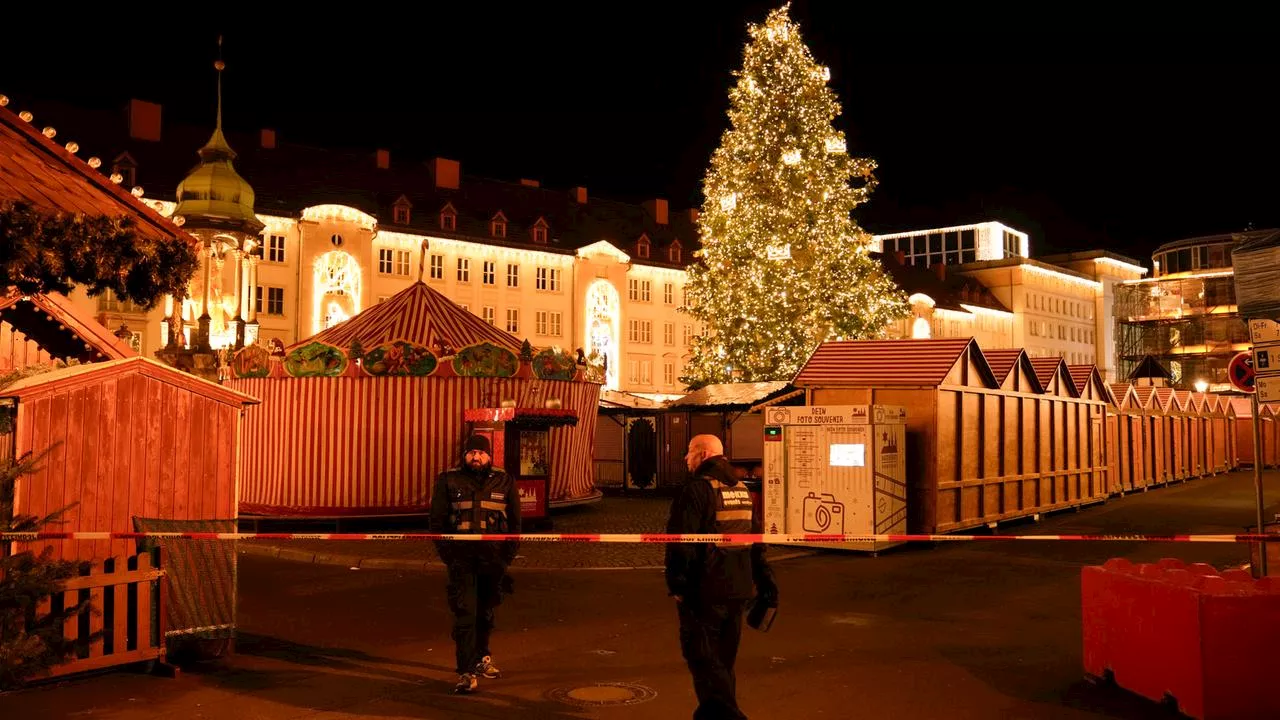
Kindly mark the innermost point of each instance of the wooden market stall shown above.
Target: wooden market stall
(1129, 428)
(134, 438)
(1089, 385)
(360, 419)
(979, 453)
(1157, 433)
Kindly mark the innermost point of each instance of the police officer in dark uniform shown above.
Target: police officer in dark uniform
(475, 498)
(711, 583)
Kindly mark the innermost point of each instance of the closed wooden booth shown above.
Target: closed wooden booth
(1130, 447)
(135, 439)
(982, 449)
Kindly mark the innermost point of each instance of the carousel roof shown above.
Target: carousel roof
(419, 315)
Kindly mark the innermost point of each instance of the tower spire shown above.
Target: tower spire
(219, 65)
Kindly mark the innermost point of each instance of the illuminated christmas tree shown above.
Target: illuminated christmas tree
(783, 266)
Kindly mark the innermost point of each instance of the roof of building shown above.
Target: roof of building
(1149, 367)
(290, 177)
(1089, 255)
(1047, 367)
(61, 330)
(419, 315)
(95, 373)
(1231, 237)
(733, 395)
(44, 173)
(874, 363)
(1002, 361)
(950, 290)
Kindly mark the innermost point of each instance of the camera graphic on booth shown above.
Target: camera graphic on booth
(823, 514)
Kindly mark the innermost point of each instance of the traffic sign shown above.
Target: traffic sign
(1264, 332)
(1266, 360)
(1269, 389)
(1240, 372)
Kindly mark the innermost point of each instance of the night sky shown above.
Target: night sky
(1085, 138)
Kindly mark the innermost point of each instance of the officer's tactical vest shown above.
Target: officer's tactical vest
(733, 513)
(484, 510)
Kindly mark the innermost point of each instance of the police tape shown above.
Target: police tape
(767, 538)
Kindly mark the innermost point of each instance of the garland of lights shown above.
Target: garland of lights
(43, 253)
(783, 266)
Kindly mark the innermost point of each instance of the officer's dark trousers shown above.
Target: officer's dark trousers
(709, 635)
(473, 594)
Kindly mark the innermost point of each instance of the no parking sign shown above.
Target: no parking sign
(1240, 372)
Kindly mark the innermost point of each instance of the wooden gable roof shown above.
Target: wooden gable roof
(1088, 382)
(1124, 396)
(1013, 370)
(59, 329)
(889, 363)
(96, 373)
(44, 173)
(1053, 376)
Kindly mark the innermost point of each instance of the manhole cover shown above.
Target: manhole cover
(602, 694)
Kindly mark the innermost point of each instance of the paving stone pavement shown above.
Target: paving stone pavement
(610, 515)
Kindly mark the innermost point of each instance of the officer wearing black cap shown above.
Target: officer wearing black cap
(712, 583)
(475, 498)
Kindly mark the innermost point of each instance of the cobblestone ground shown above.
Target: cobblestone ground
(610, 515)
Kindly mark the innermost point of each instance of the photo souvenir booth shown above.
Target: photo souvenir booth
(836, 470)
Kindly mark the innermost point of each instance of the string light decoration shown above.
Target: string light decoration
(783, 266)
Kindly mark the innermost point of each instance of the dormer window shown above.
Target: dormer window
(540, 232)
(673, 252)
(642, 246)
(127, 168)
(400, 211)
(448, 218)
(498, 226)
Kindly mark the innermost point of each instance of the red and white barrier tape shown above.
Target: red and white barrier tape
(633, 538)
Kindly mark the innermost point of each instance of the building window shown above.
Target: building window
(540, 234)
(448, 221)
(642, 247)
(126, 171)
(547, 279)
(668, 333)
(393, 262)
(275, 300)
(669, 373)
(547, 323)
(437, 267)
(108, 302)
(464, 270)
(668, 293)
(336, 240)
(400, 214)
(487, 314)
(488, 273)
(686, 335)
(464, 306)
(383, 298)
(513, 320)
(673, 252)
(275, 248)
(513, 275)
(1012, 245)
(498, 226)
(638, 290)
(641, 331)
(639, 372)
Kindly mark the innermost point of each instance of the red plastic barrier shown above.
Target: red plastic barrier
(1206, 640)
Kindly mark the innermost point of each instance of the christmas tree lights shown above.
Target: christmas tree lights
(783, 266)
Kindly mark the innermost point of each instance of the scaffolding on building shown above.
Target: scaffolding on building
(1188, 323)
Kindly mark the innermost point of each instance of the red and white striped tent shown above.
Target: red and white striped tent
(345, 436)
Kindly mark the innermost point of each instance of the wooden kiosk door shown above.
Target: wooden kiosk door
(675, 442)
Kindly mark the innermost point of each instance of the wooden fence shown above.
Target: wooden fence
(126, 622)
